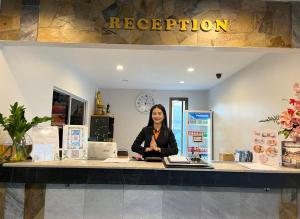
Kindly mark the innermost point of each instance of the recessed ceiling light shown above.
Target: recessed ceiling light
(181, 82)
(190, 69)
(120, 67)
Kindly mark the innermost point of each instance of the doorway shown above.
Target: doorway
(178, 105)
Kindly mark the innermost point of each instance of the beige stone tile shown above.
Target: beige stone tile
(142, 201)
(64, 201)
(220, 202)
(103, 201)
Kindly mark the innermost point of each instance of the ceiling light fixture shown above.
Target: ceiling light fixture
(190, 69)
(181, 82)
(120, 67)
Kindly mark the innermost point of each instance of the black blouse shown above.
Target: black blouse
(166, 141)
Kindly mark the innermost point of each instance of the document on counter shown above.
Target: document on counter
(178, 159)
(116, 160)
(257, 166)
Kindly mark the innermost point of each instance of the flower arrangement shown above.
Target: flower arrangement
(289, 120)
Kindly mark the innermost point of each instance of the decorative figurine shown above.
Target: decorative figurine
(107, 108)
(99, 104)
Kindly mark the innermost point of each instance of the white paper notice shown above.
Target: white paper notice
(116, 160)
(45, 143)
(178, 159)
(43, 152)
(258, 166)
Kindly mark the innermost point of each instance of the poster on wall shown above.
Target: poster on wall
(265, 148)
(45, 143)
(75, 142)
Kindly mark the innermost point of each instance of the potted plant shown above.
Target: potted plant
(17, 126)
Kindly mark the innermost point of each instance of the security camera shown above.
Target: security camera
(219, 75)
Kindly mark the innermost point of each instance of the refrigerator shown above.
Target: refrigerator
(198, 128)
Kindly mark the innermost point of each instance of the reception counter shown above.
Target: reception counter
(137, 189)
(147, 173)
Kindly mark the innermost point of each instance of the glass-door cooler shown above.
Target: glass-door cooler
(199, 134)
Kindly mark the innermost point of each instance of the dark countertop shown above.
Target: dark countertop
(226, 174)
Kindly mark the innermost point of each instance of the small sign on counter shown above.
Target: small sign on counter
(265, 147)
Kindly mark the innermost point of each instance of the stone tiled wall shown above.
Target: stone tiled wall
(253, 23)
(147, 201)
(10, 13)
(296, 24)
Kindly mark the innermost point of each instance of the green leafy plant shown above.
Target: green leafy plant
(271, 118)
(16, 125)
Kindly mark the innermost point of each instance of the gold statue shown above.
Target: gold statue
(99, 104)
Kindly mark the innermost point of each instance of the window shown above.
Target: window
(67, 109)
(60, 108)
(177, 121)
(77, 112)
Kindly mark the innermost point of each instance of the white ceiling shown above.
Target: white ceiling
(149, 67)
(155, 69)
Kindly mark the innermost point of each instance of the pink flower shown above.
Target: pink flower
(285, 119)
(296, 118)
(297, 104)
(289, 120)
(297, 89)
(291, 111)
(292, 101)
(296, 132)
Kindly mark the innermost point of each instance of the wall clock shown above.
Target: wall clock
(144, 102)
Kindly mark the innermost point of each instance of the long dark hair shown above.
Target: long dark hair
(162, 108)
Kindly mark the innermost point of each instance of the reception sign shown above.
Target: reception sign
(212, 23)
(158, 24)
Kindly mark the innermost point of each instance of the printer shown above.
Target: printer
(98, 150)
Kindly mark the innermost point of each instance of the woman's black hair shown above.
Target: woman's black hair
(162, 108)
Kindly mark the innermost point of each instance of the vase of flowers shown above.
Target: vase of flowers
(17, 126)
(289, 119)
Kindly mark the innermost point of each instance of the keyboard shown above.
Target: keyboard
(153, 159)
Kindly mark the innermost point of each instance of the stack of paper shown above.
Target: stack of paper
(258, 166)
(116, 160)
(178, 159)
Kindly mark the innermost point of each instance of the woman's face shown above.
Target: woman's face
(157, 116)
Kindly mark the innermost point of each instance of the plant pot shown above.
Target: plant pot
(20, 153)
(296, 140)
(14, 153)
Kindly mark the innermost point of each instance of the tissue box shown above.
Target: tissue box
(226, 157)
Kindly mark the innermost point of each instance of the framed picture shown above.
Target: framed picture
(290, 154)
(75, 142)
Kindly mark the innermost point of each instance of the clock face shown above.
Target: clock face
(144, 102)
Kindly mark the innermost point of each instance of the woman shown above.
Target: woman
(159, 139)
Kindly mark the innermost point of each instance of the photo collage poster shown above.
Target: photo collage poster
(266, 147)
(75, 142)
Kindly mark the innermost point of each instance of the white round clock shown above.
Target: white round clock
(144, 102)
